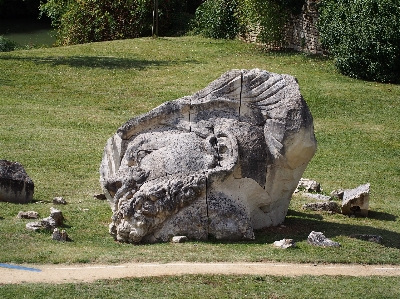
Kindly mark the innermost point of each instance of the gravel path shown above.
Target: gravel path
(13, 274)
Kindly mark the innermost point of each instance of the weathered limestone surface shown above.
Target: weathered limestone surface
(28, 215)
(15, 184)
(318, 239)
(356, 201)
(285, 243)
(221, 162)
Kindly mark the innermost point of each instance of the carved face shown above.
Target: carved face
(160, 173)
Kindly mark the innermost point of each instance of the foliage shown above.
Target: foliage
(363, 36)
(227, 18)
(217, 19)
(82, 21)
(7, 45)
(269, 15)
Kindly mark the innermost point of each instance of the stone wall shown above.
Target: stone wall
(301, 33)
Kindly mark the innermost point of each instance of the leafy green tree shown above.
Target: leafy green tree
(363, 36)
(217, 19)
(82, 21)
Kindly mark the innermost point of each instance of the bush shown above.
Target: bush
(7, 45)
(98, 20)
(363, 36)
(270, 16)
(217, 19)
(228, 18)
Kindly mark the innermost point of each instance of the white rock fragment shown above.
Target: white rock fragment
(285, 243)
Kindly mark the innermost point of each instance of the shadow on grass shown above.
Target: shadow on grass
(105, 62)
(299, 225)
(291, 52)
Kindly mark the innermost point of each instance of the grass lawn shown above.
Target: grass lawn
(58, 106)
(215, 286)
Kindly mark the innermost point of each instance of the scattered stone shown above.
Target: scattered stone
(15, 184)
(55, 220)
(356, 201)
(221, 162)
(48, 223)
(318, 239)
(57, 215)
(28, 215)
(330, 206)
(100, 196)
(308, 185)
(338, 194)
(35, 226)
(317, 196)
(370, 238)
(285, 243)
(60, 235)
(179, 239)
(59, 201)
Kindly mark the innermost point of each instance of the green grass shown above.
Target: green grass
(215, 286)
(58, 106)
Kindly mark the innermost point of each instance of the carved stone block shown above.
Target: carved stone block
(221, 162)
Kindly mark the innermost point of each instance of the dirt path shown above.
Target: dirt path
(11, 274)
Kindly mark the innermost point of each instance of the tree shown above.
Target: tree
(363, 36)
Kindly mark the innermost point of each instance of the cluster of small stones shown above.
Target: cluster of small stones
(354, 202)
(50, 223)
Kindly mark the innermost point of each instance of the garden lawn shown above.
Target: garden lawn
(215, 286)
(58, 107)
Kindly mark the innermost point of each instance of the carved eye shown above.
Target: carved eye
(213, 141)
(141, 154)
(222, 148)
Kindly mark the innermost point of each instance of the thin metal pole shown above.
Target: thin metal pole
(155, 19)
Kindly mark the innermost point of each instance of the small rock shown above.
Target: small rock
(100, 196)
(337, 194)
(56, 235)
(28, 215)
(318, 239)
(329, 206)
(35, 226)
(179, 239)
(285, 243)
(48, 223)
(57, 216)
(317, 196)
(370, 238)
(59, 201)
(308, 185)
(60, 236)
(356, 201)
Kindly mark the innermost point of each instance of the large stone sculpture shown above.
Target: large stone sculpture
(220, 163)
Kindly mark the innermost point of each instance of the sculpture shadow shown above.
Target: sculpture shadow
(298, 226)
(381, 216)
(104, 62)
